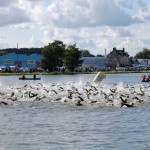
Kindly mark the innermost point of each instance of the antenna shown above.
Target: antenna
(17, 55)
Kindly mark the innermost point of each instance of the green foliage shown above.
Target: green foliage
(72, 57)
(86, 53)
(53, 55)
(145, 54)
(99, 55)
(27, 51)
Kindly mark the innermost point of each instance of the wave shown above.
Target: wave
(78, 94)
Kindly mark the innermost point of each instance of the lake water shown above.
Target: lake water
(36, 125)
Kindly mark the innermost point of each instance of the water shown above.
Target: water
(35, 125)
(134, 78)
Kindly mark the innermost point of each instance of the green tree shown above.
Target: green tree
(72, 57)
(86, 53)
(145, 54)
(27, 51)
(99, 55)
(53, 55)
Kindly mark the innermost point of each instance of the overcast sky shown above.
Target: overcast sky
(94, 25)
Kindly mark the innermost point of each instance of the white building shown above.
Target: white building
(145, 62)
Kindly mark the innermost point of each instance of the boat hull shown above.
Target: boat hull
(146, 81)
(29, 78)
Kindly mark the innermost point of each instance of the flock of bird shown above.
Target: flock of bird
(117, 95)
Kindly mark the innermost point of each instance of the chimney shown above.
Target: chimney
(123, 49)
(114, 49)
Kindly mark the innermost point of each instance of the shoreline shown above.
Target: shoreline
(67, 73)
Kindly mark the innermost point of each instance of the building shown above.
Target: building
(21, 60)
(145, 62)
(118, 58)
(93, 62)
(33, 61)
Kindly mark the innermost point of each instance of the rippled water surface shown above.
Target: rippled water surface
(40, 125)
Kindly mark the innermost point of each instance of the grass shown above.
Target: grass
(67, 73)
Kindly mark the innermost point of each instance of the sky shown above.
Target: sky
(94, 25)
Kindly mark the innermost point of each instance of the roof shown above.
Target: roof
(94, 61)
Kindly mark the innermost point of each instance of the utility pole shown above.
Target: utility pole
(17, 55)
(105, 52)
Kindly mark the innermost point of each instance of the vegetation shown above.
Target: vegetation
(99, 55)
(144, 54)
(27, 51)
(86, 53)
(52, 55)
(72, 57)
(68, 73)
(56, 54)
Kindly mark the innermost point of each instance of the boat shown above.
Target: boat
(27, 78)
(146, 80)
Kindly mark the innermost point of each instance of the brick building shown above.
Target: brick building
(118, 58)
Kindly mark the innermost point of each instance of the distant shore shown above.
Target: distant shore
(67, 73)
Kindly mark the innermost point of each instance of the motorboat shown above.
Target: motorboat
(146, 80)
(29, 78)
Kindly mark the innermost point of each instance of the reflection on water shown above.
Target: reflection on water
(51, 119)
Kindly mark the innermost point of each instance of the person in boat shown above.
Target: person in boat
(143, 77)
(148, 77)
(23, 76)
(34, 76)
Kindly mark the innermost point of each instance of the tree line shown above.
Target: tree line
(57, 54)
(144, 54)
(29, 51)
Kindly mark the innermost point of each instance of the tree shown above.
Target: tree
(99, 55)
(72, 57)
(53, 55)
(145, 54)
(27, 51)
(86, 53)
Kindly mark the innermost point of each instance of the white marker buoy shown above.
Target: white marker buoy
(99, 77)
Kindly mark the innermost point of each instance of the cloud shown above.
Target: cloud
(126, 3)
(4, 45)
(84, 33)
(131, 45)
(115, 32)
(144, 14)
(91, 24)
(2, 37)
(82, 13)
(12, 15)
(142, 3)
(6, 3)
(34, 42)
(22, 26)
(66, 13)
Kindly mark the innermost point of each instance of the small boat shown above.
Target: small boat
(20, 78)
(145, 80)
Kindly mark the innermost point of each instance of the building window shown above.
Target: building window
(30, 62)
(8, 61)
